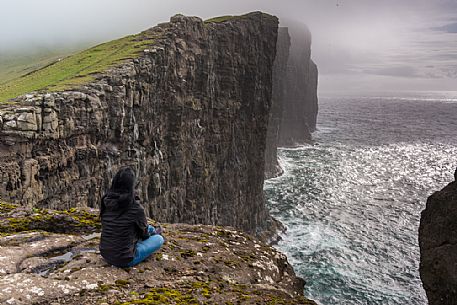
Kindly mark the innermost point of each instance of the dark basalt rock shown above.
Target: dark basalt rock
(300, 100)
(272, 167)
(294, 104)
(190, 115)
(438, 246)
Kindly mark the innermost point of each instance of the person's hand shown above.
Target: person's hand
(159, 230)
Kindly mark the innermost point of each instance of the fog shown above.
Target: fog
(358, 45)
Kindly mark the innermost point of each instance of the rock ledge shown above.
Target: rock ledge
(51, 257)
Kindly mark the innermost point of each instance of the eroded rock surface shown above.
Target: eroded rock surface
(198, 265)
(190, 115)
(438, 246)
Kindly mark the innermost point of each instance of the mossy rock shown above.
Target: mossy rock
(14, 219)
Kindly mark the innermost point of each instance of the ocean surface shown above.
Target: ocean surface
(352, 201)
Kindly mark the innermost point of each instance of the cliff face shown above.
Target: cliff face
(295, 103)
(197, 265)
(272, 167)
(438, 246)
(190, 115)
(300, 100)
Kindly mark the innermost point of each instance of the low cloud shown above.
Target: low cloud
(448, 28)
(399, 71)
(393, 42)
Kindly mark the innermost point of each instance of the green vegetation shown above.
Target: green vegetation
(6, 207)
(14, 65)
(77, 69)
(72, 221)
(187, 253)
(161, 296)
(220, 19)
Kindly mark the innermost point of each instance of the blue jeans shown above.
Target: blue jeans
(144, 248)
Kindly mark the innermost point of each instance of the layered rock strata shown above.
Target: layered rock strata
(190, 114)
(272, 167)
(300, 100)
(60, 264)
(438, 246)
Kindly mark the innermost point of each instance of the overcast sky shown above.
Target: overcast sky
(358, 45)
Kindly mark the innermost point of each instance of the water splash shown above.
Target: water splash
(352, 203)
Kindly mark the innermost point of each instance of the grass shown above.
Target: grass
(77, 69)
(16, 65)
(220, 19)
(229, 17)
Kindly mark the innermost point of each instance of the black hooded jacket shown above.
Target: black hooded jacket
(123, 220)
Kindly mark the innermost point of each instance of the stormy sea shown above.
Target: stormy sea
(351, 202)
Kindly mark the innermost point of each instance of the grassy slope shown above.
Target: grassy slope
(49, 72)
(220, 19)
(76, 69)
(17, 65)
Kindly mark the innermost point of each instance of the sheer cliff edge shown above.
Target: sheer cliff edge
(294, 109)
(185, 103)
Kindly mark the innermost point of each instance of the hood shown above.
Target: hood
(121, 194)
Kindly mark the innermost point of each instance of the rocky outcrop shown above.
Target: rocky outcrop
(300, 100)
(197, 265)
(189, 114)
(438, 246)
(272, 167)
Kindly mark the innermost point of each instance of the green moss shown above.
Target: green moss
(159, 257)
(71, 221)
(247, 258)
(122, 283)
(187, 253)
(223, 233)
(104, 287)
(79, 68)
(231, 264)
(6, 207)
(158, 296)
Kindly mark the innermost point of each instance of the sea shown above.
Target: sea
(351, 201)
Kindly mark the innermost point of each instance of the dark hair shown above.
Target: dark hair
(122, 187)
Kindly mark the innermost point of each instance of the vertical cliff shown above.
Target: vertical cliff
(272, 167)
(189, 113)
(300, 101)
(438, 246)
(295, 104)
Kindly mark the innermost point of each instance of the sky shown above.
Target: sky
(360, 46)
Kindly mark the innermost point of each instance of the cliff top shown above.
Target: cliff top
(52, 257)
(82, 68)
(78, 68)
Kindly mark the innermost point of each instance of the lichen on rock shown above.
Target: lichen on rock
(197, 265)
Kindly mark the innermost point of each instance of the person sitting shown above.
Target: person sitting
(126, 238)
